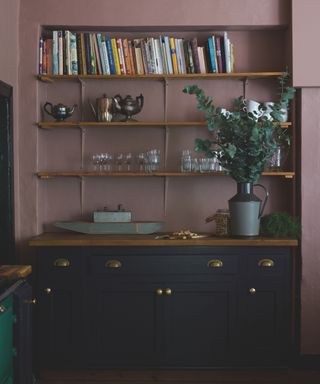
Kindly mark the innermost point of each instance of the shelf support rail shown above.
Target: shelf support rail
(245, 83)
(166, 141)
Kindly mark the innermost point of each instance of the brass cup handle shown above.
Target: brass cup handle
(252, 291)
(159, 292)
(215, 263)
(168, 291)
(48, 290)
(32, 301)
(113, 264)
(266, 263)
(62, 263)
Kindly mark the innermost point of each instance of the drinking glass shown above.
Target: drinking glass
(119, 161)
(141, 159)
(127, 160)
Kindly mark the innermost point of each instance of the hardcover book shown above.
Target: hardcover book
(73, 54)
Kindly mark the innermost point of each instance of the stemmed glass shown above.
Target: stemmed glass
(119, 161)
(127, 160)
(141, 159)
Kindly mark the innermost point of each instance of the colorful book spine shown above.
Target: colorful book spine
(40, 55)
(49, 53)
(101, 55)
(67, 52)
(132, 57)
(227, 52)
(97, 54)
(159, 63)
(126, 54)
(60, 53)
(110, 56)
(115, 56)
(83, 54)
(183, 59)
(195, 55)
(174, 56)
(93, 62)
(218, 53)
(55, 63)
(87, 52)
(121, 57)
(44, 57)
(138, 54)
(201, 56)
(79, 54)
(178, 54)
(105, 55)
(212, 54)
(168, 54)
(162, 54)
(73, 54)
(145, 54)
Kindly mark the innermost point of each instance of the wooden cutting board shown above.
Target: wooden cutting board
(12, 272)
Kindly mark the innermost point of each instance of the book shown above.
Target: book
(79, 54)
(67, 53)
(110, 56)
(93, 60)
(132, 58)
(218, 53)
(44, 57)
(60, 53)
(126, 56)
(145, 54)
(183, 58)
(202, 63)
(87, 52)
(105, 55)
(223, 56)
(195, 54)
(115, 56)
(151, 56)
(174, 56)
(212, 54)
(158, 58)
(178, 54)
(227, 52)
(49, 54)
(121, 57)
(41, 56)
(138, 56)
(55, 63)
(165, 61)
(188, 56)
(73, 54)
(97, 54)
(168, 54)
(101, 55)
(232, 57)
(162, 54)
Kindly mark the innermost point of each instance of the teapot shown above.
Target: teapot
(105, 107)
(128, 105)
(59, 111)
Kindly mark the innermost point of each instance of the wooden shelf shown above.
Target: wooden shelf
(53, 174)
(66, 124)
(240, 75)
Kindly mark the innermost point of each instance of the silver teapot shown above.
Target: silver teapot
(59, 111)
(105, 108)
(128, 106)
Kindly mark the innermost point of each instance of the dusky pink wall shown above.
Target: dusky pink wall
(9, 48)
(305, 35)
(306, 60)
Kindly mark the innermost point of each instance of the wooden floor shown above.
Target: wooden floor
(180, 377)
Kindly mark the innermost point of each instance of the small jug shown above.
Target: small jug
(104, 110)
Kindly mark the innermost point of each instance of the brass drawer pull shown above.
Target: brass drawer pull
(159, 292)
(48, 291)
(215, 263)
(113, 264)
(252, 291)
(2, 309)
(168, 291)
(62, 263)
(266, 263)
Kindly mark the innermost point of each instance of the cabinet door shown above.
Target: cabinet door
(199, 324)
(264, 322)
(123, 322)
(59, 317)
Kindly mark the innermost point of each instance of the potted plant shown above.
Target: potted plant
(243, 143)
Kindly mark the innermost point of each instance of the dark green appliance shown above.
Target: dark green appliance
(6, 340)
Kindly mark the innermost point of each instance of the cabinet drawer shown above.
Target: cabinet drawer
(162, 264)
(268, 264)
(61, 261)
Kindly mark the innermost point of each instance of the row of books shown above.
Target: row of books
(82, 53)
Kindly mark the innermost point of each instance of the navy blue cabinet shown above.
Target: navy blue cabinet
(122, 307)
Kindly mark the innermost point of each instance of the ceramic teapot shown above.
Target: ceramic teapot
(59, 111)
(128, 106)
(105, 108)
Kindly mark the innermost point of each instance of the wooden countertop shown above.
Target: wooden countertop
(78, 239)
(13, 272)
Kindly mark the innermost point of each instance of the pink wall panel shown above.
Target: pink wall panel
(305, 37)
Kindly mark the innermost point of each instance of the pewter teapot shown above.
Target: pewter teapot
(105, 108)
(59, 111)
(128, 106)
